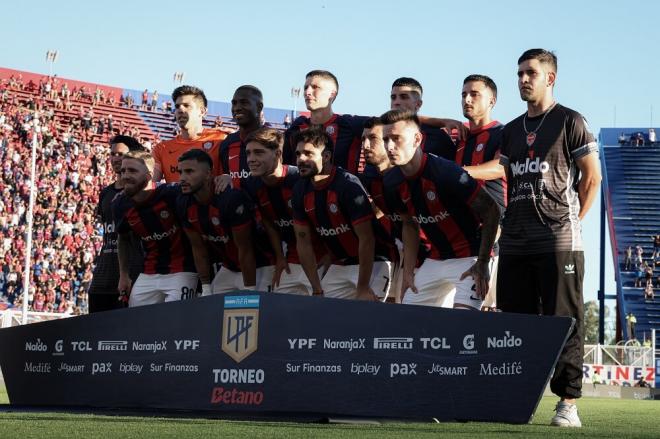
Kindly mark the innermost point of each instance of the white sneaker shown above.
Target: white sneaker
(567, 415)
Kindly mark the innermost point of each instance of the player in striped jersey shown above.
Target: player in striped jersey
(150, 213)
(438, 197)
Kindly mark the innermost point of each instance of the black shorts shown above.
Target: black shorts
(549, 284)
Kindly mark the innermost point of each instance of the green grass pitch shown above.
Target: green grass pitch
(602, 418)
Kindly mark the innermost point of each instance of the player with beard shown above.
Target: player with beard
(221, 228)
(190, 107)
(150, 213)
(103, 295)
(458, 218)
(246, 106)
(270, 186)
(553, 175)
(333, 202)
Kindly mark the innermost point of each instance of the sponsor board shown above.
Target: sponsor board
(240, 326)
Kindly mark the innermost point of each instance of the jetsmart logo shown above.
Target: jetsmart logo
(432, 219)
(159, 236)
(333, 232)
(532, 167)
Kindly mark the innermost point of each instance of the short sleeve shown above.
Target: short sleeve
(454, 179)
(580, 140)
(298, 203)
(355, 201)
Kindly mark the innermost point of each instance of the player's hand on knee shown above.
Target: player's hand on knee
(280, 266)
(481, 275)
(408, 282)
(366, 294)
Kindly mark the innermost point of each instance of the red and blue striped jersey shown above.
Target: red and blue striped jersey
(481, 146)
(215, 221)
(436, 141)
(275, 204)
(346, 133)
(438, 199)
(166, 247)
(233, 159)
(333, 208)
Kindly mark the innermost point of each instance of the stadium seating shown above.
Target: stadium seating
(632, 186)
(69, 177)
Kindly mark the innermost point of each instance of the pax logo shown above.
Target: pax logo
(529, 166)
(407, 369)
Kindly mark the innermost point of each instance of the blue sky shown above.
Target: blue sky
(607, 52)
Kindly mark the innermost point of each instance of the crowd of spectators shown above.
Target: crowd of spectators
(644, 268)
(71, 167)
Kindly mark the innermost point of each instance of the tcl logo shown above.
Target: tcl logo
(220, 395)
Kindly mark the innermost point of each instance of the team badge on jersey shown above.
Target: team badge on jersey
(215, 220)
(480, 147)
(430, 195)
(359, 200)
(333, 207)
(464, 178)
(207, 145)
(240, 209)
(240, 326)
(330, 129)
(531, 137)
(164, 214)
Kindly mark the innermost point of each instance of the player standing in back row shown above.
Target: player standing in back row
(551, 163)
(190, 107)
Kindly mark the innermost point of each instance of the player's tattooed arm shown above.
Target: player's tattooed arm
(307, 256)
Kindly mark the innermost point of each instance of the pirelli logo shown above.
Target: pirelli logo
(240, 326)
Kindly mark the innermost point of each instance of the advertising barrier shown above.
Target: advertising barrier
(274, 354)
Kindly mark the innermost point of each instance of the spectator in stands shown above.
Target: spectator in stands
(154, 101)
(641, 271)
(632, 321)
(639, 139)
(287, 121)
(217, 123)
(648, 291)
(145, 100)
(639, 251)
(642, 383)
(656, 245)
(628, 261)
(652, 138)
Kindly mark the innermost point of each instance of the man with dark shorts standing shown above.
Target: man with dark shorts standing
(103, 294)
(553, 175)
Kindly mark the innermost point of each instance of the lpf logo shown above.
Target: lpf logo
(240, 326)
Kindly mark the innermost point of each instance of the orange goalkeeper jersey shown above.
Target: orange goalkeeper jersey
(167, 153)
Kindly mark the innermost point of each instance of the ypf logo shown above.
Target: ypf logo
(240, 326)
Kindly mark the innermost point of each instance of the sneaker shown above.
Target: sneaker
(567, 415)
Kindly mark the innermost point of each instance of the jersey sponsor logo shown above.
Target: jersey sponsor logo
(421, 219)
(159, 236)
(284, 223)
(239, 174)
(529, 166)
(333, 232)
(223, 239)
(240, 326)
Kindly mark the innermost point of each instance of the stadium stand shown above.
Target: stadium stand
(75, 125)
(632, 196)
